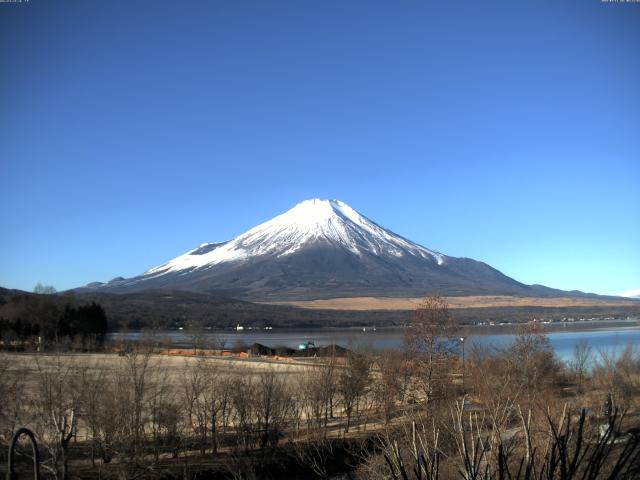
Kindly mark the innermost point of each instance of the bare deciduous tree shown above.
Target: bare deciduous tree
(12, 389)
(353, 381)
(194, 385)
(532, 360)
(580, 363)
(44, 289)
(56, 404)
(387, 386)
(619, 376)
(243, 403)
(432, 342)
(273, 403)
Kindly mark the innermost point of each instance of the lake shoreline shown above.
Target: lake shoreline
(602, 335)
(497, 328)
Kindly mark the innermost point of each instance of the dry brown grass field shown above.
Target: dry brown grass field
(410, 303)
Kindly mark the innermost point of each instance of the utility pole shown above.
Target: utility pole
(462, 342)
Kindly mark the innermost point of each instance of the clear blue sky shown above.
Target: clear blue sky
(132, 131)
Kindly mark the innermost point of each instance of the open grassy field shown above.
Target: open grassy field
(497, 301)
(173, 367)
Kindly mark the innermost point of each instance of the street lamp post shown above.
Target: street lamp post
(462, 342)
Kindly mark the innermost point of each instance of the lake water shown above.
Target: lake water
(606, 340)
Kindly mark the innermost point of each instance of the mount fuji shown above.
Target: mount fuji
(321, 249)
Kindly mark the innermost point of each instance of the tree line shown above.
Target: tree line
(43, 320)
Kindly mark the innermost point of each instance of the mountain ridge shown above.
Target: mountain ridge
(322, 249)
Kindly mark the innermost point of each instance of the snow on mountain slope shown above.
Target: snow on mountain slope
(330, 221)
(631, 293)
(320, 249)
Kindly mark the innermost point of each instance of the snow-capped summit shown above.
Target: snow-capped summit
(320, 249)
(330, 221)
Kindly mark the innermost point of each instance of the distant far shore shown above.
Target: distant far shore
(554, 326)
(483, 328)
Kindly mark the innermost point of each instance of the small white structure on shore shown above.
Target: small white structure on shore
(239, 327)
